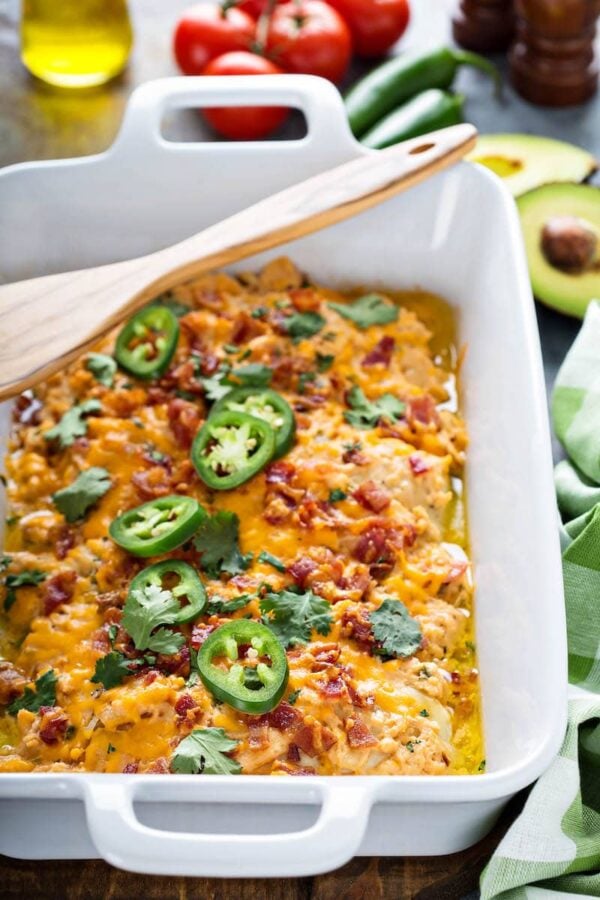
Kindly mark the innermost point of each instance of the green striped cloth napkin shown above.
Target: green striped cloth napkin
(553, 848)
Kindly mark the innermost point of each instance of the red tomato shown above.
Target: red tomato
(309, 36)
(376, 25)
(243, 123)
(206, 31)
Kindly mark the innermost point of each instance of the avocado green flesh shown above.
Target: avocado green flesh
(526, 161)
(568, 292)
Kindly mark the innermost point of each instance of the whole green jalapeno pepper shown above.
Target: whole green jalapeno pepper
(427, 112)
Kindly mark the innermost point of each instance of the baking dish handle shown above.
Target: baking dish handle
(122, 840)
(317, 98)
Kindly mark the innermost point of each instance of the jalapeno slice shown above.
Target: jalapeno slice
(181, 580)
(147, 342)
(253, 684)
(263, 403)
(230, 448)
(157, 527)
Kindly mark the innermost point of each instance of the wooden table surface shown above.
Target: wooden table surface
(36, 123)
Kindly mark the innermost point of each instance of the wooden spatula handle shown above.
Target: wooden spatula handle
(46, 322)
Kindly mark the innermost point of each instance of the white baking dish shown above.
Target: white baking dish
(457, 235)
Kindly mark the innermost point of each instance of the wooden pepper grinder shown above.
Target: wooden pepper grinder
(552, 59)
(486, 26)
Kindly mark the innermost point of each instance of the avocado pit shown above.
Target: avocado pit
(568, 244)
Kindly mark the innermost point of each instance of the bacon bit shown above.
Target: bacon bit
(81, 444)
(176, 663)
(199, 635)
(152, 483)
(357, 699)
(100, 639)
(314, 738)
(26, 409)
(53, 724)
(334, 688)
(305, 299)
(375, 546)
(277, 511)
(151, 676)
(280, 472)
(281, 766)
(358, 734)
(157, 395)
(245, 328)
(12, 682)
(160, 766)
(325, 654)
(293, 753)
(308, 402)
(359, 583)
(372, 496)
(183, 377)
(283, 717)
(381, 352)
(258, 732)
(423, 410)
(355, 456)
(108, 600)
(64, 542)
(184, 420)
(418, 464)
(184, 704)
(301, 568)
(130, 768)
(58, 590)
(356, 624)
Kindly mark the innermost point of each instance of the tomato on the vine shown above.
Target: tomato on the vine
(206, 31)
(309, 36)
(243, 123)
(375, 25)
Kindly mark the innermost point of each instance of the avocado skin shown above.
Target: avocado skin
(526, 161)
(568, 292)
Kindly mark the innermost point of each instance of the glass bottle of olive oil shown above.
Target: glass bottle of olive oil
(75, 43)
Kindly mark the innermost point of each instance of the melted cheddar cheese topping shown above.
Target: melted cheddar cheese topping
(395, 530)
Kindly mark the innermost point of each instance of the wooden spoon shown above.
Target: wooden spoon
(47, 322)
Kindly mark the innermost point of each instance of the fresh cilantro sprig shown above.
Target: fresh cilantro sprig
(293, 616)
(266, 557)
(395, 631)
(364, 413)
(111, 669)
(43, 694)
(75, 500)
(147, 610)
(73, 424)
(337, 495)
(218, 605)
(26, 578)
(217, 541)
(102, 367)
(204, 752)
(371, 309)
(226, 379)
(303, 325)
(324, 361)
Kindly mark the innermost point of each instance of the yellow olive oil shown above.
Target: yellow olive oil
(75, 43)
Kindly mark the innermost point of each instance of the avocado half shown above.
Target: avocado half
(526, 161)
(561, 228)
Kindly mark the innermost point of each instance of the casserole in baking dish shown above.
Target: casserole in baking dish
(457, 236)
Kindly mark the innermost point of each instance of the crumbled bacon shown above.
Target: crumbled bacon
(381, 352)
(258, 732)
(12, 682)
(199, 635)
(184, 704)
(358, 583)
(358, 734)
(175, 663)
(130, 768)
(58, 590)
(334, 688)
(417, 464)
(152, 483)
(356, 698)
(160, 766)
(27, 408)
(157, 395)
(183, 378)
(280, 472)
(293, 753)
(281, 766)
(375, 545)
(64, 542)
(184, 420)
(422, 409)
(283, 716)
(301, 568)
(53, 724)
(305, 299)
(245, 327)
(355, 623)
(372, 496)
(314, 738)
(353, 455)
(325, 655)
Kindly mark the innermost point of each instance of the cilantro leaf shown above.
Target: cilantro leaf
(26, 578)
(203, 751)
(44, 694)
(367, 414)
(303, 325)
(111, 669)
(266, 557)
(293, 697)
(216, 386)
(102, 367)
(75, 500)
(324, 361)
(217, 540)
(73, 424)
(219, 605)
(337, 495)
(371, 309)
(220, 384)
(253, 375)
(292, 617)
(148, 608)
(396, 632)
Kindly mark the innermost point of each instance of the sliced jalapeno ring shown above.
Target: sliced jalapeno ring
(157, 527)
(230, 448)
(263, 403)
(147, 342)
(254, 684)
(181, 580)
